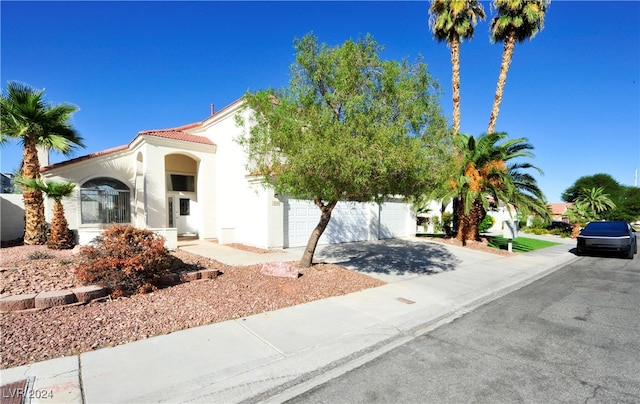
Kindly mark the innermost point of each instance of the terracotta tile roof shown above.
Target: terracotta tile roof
(177, 135)
(167, 134)
(82, 158)
(559, 208)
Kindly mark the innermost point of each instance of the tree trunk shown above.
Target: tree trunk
(455, 222)
(462, 220)
(476, 214)
(507, 54)
(469, 223)
(455, 83)
(325, 216)
(35, 232)
(60, 238)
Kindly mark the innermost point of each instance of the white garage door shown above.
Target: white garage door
(395, 220)
(301, 217)
(349, 222)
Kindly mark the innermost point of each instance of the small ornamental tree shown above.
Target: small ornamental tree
(60, 236)
(349, 127)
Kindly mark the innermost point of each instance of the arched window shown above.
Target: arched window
(104, 201)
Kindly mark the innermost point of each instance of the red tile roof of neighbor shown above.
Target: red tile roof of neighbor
(559, 208)
(167, 134)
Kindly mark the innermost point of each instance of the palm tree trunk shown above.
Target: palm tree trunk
(462, 220)
(477, 214)
(60, 235)
(455, 83)
(35, 232)
(325, 216)
(507, 54)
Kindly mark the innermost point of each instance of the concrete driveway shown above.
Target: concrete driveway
(399, 259)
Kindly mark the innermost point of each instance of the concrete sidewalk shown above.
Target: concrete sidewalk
(273, 356)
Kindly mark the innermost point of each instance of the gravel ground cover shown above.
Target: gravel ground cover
(240, 291)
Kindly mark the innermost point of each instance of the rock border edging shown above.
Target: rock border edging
(86, 294)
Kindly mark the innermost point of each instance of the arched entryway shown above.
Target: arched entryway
(181, 173)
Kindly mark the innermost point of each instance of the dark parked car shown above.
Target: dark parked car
(608, 237)
(557, 224)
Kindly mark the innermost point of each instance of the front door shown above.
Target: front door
(179, 214)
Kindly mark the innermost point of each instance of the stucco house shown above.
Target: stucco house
(192, 181)
(559, 211)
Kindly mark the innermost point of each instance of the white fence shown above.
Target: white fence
(11, 216)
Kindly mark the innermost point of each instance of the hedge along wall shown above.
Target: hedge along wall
(11, 216)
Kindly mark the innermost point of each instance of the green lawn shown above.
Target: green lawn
(520, 244)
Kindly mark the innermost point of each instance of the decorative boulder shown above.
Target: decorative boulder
(280, 269)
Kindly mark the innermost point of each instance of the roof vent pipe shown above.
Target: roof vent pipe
(213, 110)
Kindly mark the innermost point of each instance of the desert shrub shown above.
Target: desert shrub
(486, 224)
(538, 223)
(39, 255)
(125, 260)
(536, 230)
(562, 232)
(447, 219)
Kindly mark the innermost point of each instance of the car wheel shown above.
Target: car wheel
(630, 254)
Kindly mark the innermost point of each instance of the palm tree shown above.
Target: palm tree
(28, 118)
(486, 172)
(453, 21)
(596, 200)
(60, 237)
(579, 215)
(515, 21)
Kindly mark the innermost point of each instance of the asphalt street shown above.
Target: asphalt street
(573, 336)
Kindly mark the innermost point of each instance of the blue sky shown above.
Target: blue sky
(573, 90)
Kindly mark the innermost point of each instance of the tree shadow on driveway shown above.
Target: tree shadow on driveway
(390, 257)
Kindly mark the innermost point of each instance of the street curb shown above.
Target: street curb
(310, 380)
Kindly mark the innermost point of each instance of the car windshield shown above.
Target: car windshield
(609, 229)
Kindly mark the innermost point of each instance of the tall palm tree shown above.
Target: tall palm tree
(26, 117)
(486, 171)
(515, 21)
(60, 237)
(452, 21)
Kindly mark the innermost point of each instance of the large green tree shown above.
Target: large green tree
(628, 206)
(601, 180)
(349, 127)
(453, 21)
(625, 198)
(27, 117)
(515, 21)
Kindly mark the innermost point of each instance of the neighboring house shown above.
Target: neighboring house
(559, 211)
(6, 183)
(192, 181)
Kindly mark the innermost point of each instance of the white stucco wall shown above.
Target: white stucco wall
(240, 208)
(12, 214)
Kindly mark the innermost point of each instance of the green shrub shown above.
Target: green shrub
(560, 232)
(125, 260)
(536, 230)
(486, 224)
(437, 224)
